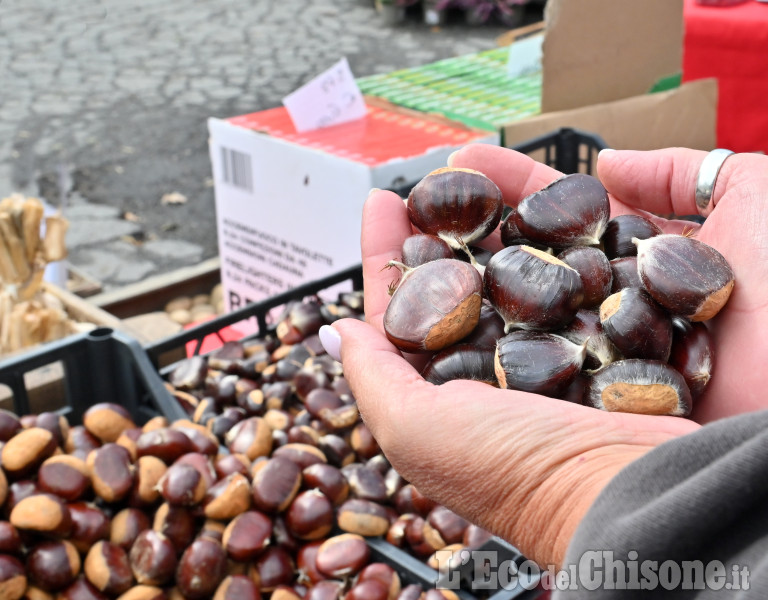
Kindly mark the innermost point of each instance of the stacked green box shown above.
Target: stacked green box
(474, 89)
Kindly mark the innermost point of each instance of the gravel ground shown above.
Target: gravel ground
(104, 104)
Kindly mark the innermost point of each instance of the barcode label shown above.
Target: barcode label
(236, 169)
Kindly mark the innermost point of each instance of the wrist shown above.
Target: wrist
(557, 507)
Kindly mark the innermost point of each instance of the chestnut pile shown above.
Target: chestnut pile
(267, 490)
(576, 305)
(111, 510)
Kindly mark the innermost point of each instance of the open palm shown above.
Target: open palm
(524, 466)
(663, 182)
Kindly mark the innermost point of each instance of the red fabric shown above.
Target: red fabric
(731, 43)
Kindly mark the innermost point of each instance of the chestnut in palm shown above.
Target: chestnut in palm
(617, 239)
(648, 387)
(462, 361)
(586, 329)
(686, 276)
(571, 211)
(692, 354)
(624, 271)
(595, 271)
(489, 328)
(422, 248)
(456, 204)
(435, 305)
(538, 362)
(511, 236)
(636, 325)
(531, 289)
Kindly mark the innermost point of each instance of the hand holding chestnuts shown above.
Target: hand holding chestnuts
(576, 325)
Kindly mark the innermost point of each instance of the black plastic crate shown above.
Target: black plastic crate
(259, 311)
(102, 365)
(567, 150)
(414, 570)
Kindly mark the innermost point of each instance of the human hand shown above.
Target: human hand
(663, 182)
(525, 467)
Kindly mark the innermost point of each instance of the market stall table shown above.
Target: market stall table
(731, 44)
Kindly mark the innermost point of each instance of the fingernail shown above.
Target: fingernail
(331, 341)
(605, 151)
(451, 157)
(373, 191)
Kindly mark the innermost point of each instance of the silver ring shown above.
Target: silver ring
(705, 184)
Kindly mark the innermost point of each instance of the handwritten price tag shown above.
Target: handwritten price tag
(525, 56)
(329, 99)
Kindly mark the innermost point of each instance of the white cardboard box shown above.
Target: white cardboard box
(289, 205)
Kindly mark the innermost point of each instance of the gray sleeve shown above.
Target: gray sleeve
(699, 502)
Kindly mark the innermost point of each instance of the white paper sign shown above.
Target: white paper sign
(329, 99)
(525, 56)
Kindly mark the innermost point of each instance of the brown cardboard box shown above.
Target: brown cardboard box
(603, 50)
(685, 116)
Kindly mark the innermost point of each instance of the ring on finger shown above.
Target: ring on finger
(705, 183)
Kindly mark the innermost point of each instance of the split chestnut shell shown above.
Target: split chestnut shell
(571, 211)
(531, 289)
(456, 203)
(538, 362)
(434, 306)
(648, 387)
(686, 276)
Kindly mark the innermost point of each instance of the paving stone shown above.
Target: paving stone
(93, 232)
(223, 92)
(84, 78)
(174, 250)
(91, 212)
(137, 83)
(131, 272)
(100, 264)
(54, 107)
(6, 185)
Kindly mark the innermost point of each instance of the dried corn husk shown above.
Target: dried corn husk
(28, 315)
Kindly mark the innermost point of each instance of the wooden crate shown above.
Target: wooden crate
(45, 384)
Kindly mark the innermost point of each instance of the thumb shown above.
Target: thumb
(376, 372)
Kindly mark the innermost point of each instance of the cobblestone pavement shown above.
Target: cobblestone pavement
(103, 104)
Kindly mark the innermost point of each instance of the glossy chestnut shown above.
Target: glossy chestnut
(595, 271)
(686, 276)
(634, 385)
(538, 362)
(435, 305)
(462, 361)
(637, 326)
(531, 289)
(422, 248)
(107, 567)
(153, 558)
(692, 354)
(455, 203)
(586, 329)
(571, 211)
(201, 569)
(617, 239)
